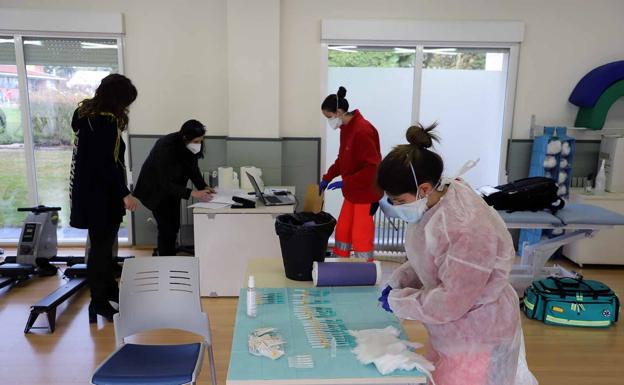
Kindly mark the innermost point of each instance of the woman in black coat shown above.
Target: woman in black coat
(98, 192)
(164, 177)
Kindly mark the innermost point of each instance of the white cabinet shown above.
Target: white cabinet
(226, 239)
(607, 246)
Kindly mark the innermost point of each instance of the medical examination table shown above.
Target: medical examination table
(577, 221)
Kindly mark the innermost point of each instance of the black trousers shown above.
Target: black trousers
(167, 216)
(100, 274)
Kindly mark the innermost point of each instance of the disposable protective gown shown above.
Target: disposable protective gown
(456, 283)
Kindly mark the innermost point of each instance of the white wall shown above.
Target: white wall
(563, 40)
(176, 53)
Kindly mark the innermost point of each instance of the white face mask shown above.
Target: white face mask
(194, 147)
(413, 212)
(334, 122)
(409, 212)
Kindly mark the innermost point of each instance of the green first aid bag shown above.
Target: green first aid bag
(571, 302)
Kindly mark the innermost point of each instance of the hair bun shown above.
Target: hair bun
(422, 137)
(342, 92)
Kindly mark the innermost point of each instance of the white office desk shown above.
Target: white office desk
(226, 239)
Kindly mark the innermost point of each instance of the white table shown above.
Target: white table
(226, 239)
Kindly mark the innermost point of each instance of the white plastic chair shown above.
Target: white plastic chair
(158, 293)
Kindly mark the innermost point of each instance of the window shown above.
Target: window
(59, 72)
(379, 82)
(464, 89)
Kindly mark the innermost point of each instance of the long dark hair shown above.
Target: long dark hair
(114, 95)
(335, 101)
(395, 175)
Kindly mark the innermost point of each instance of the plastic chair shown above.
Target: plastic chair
(158, 293)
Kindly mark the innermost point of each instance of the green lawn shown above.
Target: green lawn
(53, 179)
(13, 187)
(52, 182)
(14, 124)
(52, 168)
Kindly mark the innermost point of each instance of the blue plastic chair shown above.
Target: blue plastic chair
(158, 293)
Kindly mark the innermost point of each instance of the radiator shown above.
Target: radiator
(389, 238)
(389, 235)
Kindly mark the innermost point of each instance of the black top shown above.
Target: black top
(98, 176)
(166, 172)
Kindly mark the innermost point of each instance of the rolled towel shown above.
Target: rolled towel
(550, 162)
(554, 147)
(565, 149)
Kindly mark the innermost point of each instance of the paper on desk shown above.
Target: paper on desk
(225, 196)
(210, 205)
(222, 198)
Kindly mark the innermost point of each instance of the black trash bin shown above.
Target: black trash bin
(303, 239)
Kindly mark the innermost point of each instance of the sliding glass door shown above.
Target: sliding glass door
(58, 74)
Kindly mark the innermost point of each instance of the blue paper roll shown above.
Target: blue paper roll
(346, 273)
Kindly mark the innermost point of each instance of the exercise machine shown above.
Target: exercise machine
(37, 247)
(76, 273)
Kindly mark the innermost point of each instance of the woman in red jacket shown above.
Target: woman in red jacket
(357, 162)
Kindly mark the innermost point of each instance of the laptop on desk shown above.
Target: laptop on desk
(269, 199)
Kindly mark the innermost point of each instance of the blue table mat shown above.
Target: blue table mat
(356, 306)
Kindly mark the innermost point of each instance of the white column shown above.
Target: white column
(253, 36)
(29, 141)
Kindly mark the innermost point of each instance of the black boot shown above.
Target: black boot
(102, 308)
(112, 293)
(117, 268)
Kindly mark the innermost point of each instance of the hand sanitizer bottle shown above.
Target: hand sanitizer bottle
(252, 309)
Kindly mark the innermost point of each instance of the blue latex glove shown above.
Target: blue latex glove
(384, 299)
(335, 185)
(322, 186)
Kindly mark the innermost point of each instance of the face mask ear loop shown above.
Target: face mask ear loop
(415, 180)
(469, 165)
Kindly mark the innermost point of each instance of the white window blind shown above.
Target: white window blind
(7, 50)
(71, 52)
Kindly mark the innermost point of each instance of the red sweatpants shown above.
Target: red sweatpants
(355, 230)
